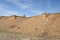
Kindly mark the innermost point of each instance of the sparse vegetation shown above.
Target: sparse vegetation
(13, 36)
(1, 17)
(36, 28)
(18, 27)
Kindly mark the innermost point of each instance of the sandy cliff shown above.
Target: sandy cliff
(42, 25)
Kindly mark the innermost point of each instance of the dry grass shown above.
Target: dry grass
(16, 36)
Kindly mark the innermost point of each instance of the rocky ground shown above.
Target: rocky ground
(16, 36)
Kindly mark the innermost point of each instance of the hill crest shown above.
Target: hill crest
(41, 25)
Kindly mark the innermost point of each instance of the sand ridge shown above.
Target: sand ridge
(42, 25)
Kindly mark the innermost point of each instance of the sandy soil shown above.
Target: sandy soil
(41, 25)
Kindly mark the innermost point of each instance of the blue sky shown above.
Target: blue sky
(28, 7)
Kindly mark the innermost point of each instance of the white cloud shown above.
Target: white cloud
(37, 12)
(24, 6)
(49, 4)
(19, 4)
(5, 11)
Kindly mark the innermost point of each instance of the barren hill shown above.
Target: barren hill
(42, 25)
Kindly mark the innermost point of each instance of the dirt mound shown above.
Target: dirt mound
(45, 24)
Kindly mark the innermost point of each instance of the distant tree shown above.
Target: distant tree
(14, 15)
(46, 14)
(24, 16)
